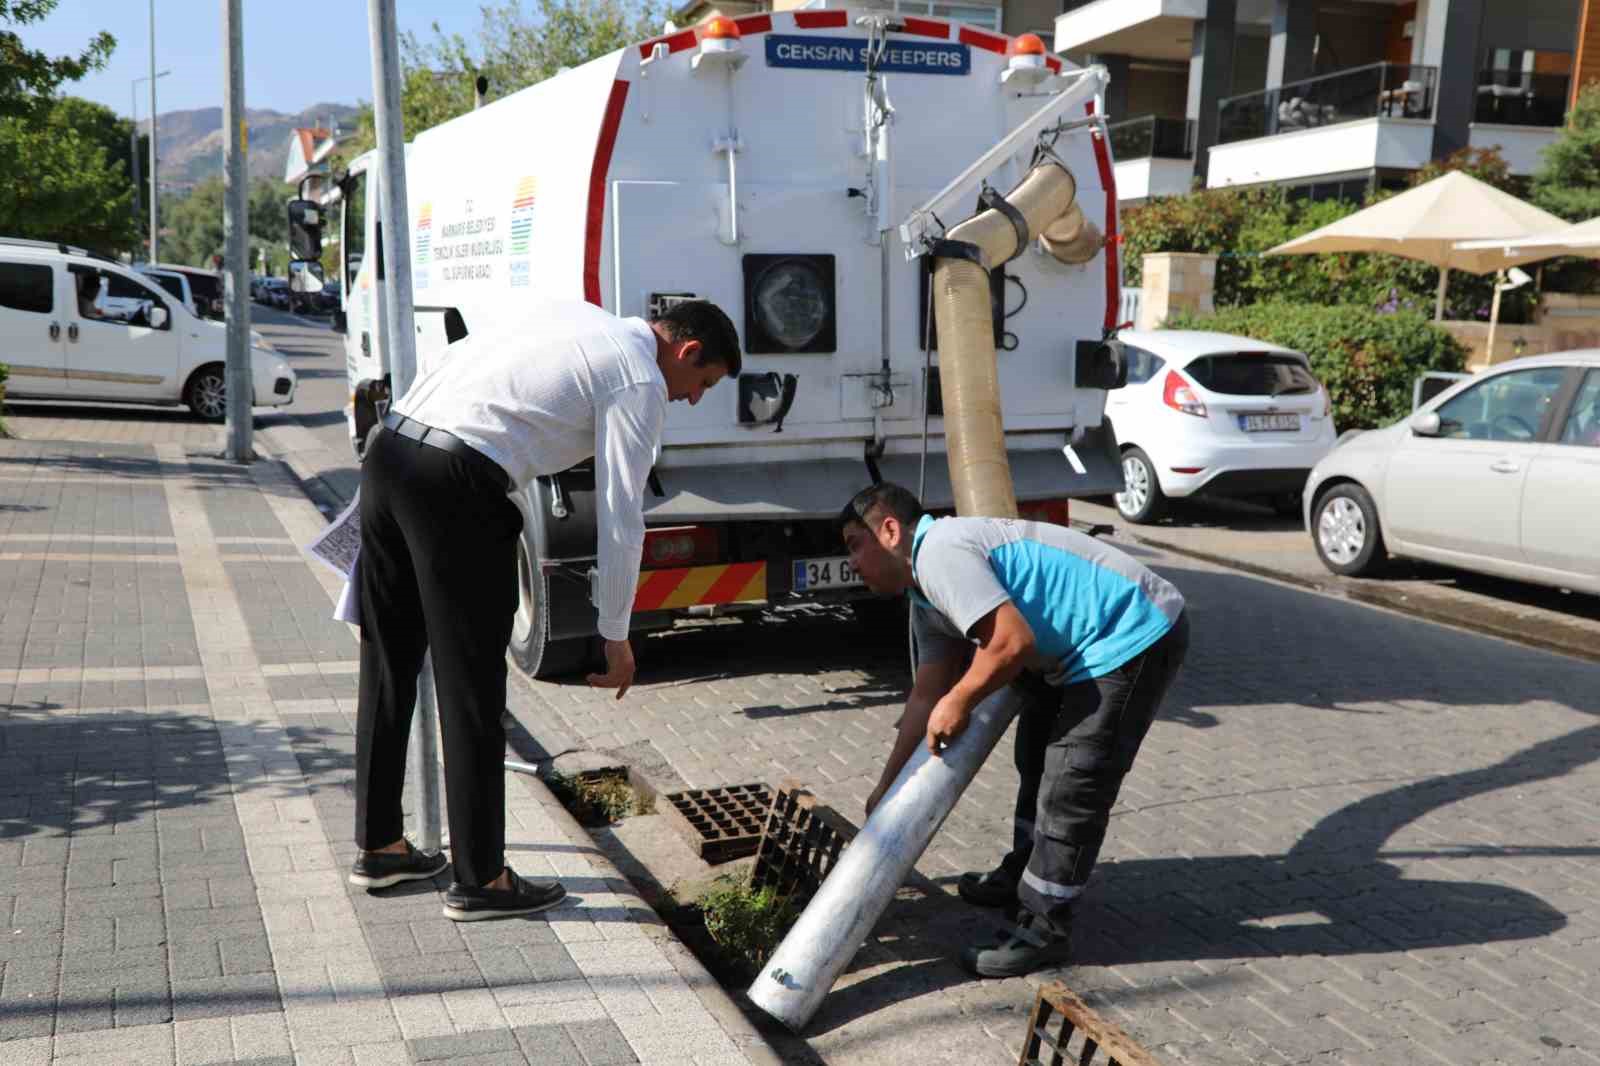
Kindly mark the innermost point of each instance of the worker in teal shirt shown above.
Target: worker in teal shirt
(1088, 636)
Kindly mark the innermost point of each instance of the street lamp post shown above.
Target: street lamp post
(155, 192)
(133, 143)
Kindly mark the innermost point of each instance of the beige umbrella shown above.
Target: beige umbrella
(1429, 223)
(1581, 239)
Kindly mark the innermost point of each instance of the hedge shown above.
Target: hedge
(1367, 359)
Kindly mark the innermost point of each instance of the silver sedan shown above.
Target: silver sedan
(1499, 474)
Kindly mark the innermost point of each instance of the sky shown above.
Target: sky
(295, 54)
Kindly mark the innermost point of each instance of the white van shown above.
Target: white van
(77, 326)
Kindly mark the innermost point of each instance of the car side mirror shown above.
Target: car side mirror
(1101, 365)
(305, 276)
(1425, 423)
(305, 229)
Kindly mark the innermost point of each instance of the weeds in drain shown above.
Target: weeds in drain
(598, 800)
(746, 923)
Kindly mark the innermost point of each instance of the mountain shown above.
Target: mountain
(189, 143)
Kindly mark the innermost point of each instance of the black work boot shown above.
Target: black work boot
(380, 869)
(464, 904)
(1033, 944)
(993, 888)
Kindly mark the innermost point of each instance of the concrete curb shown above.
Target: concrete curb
(1387, 599)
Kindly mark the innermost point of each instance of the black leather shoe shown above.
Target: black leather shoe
(1033, 945)
(996, 888)
(378, 869)
(463, 904)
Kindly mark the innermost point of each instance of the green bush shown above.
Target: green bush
(1367, 359)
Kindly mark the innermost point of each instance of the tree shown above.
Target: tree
(514, 49)
(195, 223)
(1567, 182)
(28, 78)
(69, 177)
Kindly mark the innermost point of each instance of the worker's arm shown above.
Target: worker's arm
(1005, 646)
(931, 683)
(627, 432)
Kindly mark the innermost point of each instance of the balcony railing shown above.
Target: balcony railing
(1152, 137)
(1513, 98)
(1389, 90)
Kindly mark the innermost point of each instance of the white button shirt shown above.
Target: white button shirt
(565, 382)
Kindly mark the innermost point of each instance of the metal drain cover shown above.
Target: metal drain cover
(719, 823)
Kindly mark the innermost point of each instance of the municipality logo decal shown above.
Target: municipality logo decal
(522, 229)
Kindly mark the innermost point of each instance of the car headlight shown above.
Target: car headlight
(789, 303)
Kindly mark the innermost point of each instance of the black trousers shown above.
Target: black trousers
(438, 573)
(1074, 746)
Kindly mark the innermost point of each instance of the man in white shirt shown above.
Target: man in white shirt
(438, 555)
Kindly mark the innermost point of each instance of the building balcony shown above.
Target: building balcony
(1154, 156)
(1150, 29)
(1378, 116)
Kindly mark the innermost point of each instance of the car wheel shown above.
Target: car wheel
(531, 647)
(207, 393)
(1141, 499)
(1344, 528)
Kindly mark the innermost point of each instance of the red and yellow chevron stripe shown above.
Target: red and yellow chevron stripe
(664, 590)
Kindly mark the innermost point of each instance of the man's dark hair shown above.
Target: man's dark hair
(898, 501)
(704, 321)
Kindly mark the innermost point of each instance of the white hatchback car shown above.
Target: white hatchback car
(1499, 473)
(1215, 414)
(74, 326)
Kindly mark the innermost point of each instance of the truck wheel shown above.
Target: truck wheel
(1140, 500)
(207, 393)
(531, 647)
(1344, 528)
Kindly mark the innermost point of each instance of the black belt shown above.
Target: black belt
(411, 429)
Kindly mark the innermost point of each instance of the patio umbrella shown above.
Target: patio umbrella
(1429, 223)
(1580, 239)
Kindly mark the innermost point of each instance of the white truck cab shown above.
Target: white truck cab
(755, 163)
(77, 326)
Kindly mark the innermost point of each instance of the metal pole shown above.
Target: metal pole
(235, 238)
(133, 148)
(422, 771)
(155, 195)
(871, 870)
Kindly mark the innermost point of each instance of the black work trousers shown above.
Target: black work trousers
(1074, 746)
(438, 572)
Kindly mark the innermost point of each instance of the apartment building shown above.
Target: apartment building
(1327, 97)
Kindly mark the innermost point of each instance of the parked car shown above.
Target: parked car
(206, 285)
(1498, 474)
(1215, 414)
(76, 326)
(176, 284)
(275, 292)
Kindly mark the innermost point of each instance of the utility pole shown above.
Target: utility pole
(133, 146)
(155, 194)
(400, 349)
(236, 238)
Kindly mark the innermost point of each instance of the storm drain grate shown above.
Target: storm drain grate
(719, 823)
(800, 843)
(1080, 1034)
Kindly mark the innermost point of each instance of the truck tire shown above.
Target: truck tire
(532, 650)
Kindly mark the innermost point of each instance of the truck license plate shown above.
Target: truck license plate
(831, 573)
(1270, 423)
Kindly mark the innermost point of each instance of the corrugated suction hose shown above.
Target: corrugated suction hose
(968, 373)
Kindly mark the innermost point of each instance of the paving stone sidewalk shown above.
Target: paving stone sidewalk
(176, 770)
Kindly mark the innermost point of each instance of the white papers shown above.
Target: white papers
(338, 547)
